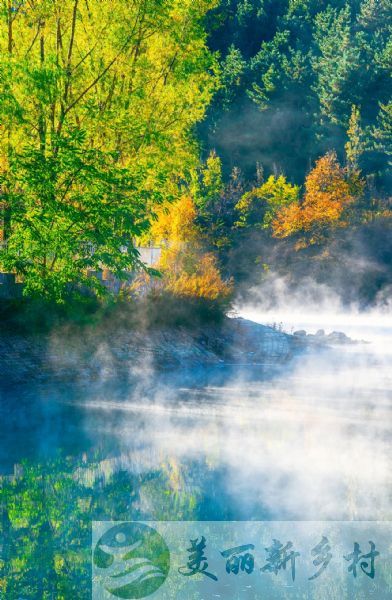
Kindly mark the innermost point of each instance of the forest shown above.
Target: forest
(247, 146)
(247, 139)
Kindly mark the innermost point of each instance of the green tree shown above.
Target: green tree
(355, 145)
(232, 71)
(304, 64)
(97, 102)
(258, 207)
(375, 14)
(383, 132)
(335, 64)
(216, 203)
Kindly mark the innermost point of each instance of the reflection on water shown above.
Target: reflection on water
(307, 443)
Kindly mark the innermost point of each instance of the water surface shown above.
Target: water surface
(309, 441)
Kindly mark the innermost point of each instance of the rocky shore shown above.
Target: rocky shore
(320, 338)
(83, 356)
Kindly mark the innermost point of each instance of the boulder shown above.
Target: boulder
(338, 337)
(300, 333)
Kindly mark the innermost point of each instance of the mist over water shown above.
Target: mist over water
(311, 442)
(334, 407)
(308, 441)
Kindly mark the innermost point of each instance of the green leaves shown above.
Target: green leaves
(304, 64)
(258, 207)
(97, 104)
(76, 211)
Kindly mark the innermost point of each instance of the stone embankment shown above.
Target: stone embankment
(74, 356)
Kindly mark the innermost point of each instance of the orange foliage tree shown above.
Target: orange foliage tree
(330, 190)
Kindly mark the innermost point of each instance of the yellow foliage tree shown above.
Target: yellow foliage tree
(186, 268)
(259, 206)
(192, 273)
(175, 223)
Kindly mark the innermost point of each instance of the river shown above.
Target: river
(307, 442)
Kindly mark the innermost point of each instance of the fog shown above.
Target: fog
(309, 442)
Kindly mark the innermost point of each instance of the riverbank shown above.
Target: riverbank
(94, 354)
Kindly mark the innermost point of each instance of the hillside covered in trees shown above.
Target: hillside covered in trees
(301, 127)
(243, 137)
